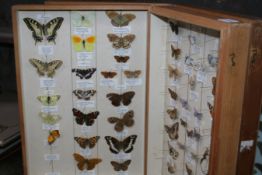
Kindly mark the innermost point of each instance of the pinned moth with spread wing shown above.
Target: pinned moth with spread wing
(173, 94)
(174, 72)
(84, 142)
(172, 151)
(82, 118)
(120, 19)
(49, 119)
(120, 166)
(121, 59)
(46, 67)
(41, 31)
(132, 74)
(86, 164)
(108, 74)
(175, 52)
(84, 94)
(121, 41)
(84, 73)
(173, 113)
(172, 131)
(48, 100)
(120, 123)
(116, 146)
(117, 99)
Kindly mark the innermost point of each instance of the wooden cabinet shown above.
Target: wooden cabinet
(136, 89)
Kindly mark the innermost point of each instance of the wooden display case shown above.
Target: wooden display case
(141, 88)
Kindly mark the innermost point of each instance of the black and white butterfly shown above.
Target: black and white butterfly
(41, 31)
(84, 73)
(126, 145)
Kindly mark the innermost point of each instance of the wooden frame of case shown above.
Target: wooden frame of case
(238, 92)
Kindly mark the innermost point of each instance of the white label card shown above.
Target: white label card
(194, 95)
(122, 30)
(133, 81)
(120, 86)
(122, 173)
(49, 109)
(82, 31)
(201, 76)
(122, 52)
(47, 82)
(122, 156)
(90, 172)
(85, 84)
(85, 104)
(47, 50)
(188, 70)
(85, 129)
(186, 114)
(50, 127)
(108, 82)
(122, 109)
(122, 135)
(172, 102)
(121, 66)
(53, 173)
(86, 152)
(175, 83)
(52, 157)
(195, 49)
(43, 17)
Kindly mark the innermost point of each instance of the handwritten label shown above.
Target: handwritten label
(122, 173)
(85, 103)
(122, 135)
(86, 152)
(90, 172)
(49, 109)
(201, 76)
(122, 109)
(83, 31)
(122, 30)
(122, 156)
(43, 16)
(195, 49)
(47, 82)
(228, 20)
(120, 86)
(193, 95)
(49, 92)
(50, 127)
(122, 52)
(188, 70)
(85, 84)
(85, 129)
(175, 83)
(51, 157)
(108, 82)
(133, 81)
(175, 38)
(46, 50)
(121, 66)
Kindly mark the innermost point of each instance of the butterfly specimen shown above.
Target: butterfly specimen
(205, 155)
(48, 30)
(119, 19)
(84, 95)
(120, 166)
(173, 72)
(174, 26)
(192, 82)
(183, 123)
(87, 142)
(172, 131)
(83, 44)
(46, 67)
(212, 60)
(49, 119)
(125, 98)
(211, 108)
(132, 74)
(121, 41)
(115, 146)
(184, 103)
(172, 113)
(193, 134)
(173, 94)
(198, 114)
(81, 118)
(175, 52)
(188, 170)
(53, 135)
(171, 168)
(173, 152)
(214, 85)
(127, 120)
(84, 73)
(49, 100)
(121, 59)
(83, 163)
(108, 74)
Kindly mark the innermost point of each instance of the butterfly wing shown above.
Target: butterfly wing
(173, 94)
(114, 98)
(127, 40)
(174, 27)
(127, 97)
(50, 29)
(36, 29)
(79, 116)
(108, 74)
(120, 166)
(52, 66)
(172, 131)
(53, 135)
(49, 100)
(121, 59)
(39, 65)
(128, 143)
(128, 118)
(49, 119)
(120, 20)
(80, 161)
(92, 141)
(86, 95)
(90, 118)
(172, 113)
(183, 123)
(115, 146)
(89, 43)
(132, 74)
(77, 43)
(91, 163)
(116, 40)
(119, 126)
(82, 142)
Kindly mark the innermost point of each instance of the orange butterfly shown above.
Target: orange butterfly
(83, 163)
(81, 44)
(53, 135)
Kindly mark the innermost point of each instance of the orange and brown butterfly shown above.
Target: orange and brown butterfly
(120, 123)
(189, 170)
(173, 114)
(119, 19)
(172, 131)
(121, 59)
(83, 163)
(171, 167)
(214, 85)
(117, 99)
(173, 72)
(87, 142)
(176, 52)
(173, 94)
(53, 135)
(120, 166)
(108, 74)
(132, 74)
(121, 41)
(211, 108)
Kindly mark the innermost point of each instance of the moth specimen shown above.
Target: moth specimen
(175, 52)
(172, 131)
(82, 118)
(49, 119)
(117, 99)
(120, 19)
(108, 74)
(121, 41)
(121, 59)
(84, 94)
(120, 123)
(53, 135)
(126, 145)
(84, 73)
(46, 67)
(120, 166)
(83, 163)
(132, 74)
(84, 142)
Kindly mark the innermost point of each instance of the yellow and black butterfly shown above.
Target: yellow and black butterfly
(46, 67)
(53, 135)
(121, 41)
(115, 146)
(84, 73)
(83, 163)
(127, 120)
(172, 131)
(84, 95)
(132, 74)
(49, 100)
(120, 166)
(87, 142)
(49, 119)
(48, 30)
(119, 19)
(83, 44)
(125, 98)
